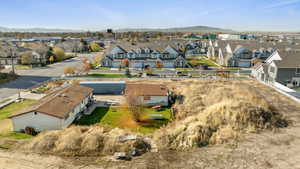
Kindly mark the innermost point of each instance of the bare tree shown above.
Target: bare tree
(135, 105)
(69, 70)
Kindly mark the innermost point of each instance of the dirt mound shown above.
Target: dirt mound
(85, 141)
(217, 113)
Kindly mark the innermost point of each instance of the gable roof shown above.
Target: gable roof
(58, 103)
(146, 89)
(290, 59)
(157, 45)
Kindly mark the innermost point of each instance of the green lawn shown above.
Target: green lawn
(23, 66)
(202, 62)
(101, 75)
(118, 117)
(297, 90)
(103, 68)
(232, 68)
(14, 135)
(14, 107)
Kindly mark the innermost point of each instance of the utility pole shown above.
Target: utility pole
(12, 61)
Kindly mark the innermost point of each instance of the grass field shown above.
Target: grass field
(8, 110)
(14, 135)
(23, 66)
(105, 75)
(203, 61)
(232, 68)
(122, 118)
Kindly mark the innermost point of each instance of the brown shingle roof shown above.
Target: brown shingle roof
(59, 103)
(146, 89)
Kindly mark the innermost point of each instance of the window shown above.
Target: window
(298, 70)
(147, 97)
(272, 69)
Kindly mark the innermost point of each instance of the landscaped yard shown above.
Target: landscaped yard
(15, 135)
(102, 75)
(5, 123)
(297, 90)
(203, 61)
(23, 66)
(232, 68)
(122, 118)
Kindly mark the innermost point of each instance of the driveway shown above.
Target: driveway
(32, 77)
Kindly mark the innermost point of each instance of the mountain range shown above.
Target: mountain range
(39, 30)
(178, 29)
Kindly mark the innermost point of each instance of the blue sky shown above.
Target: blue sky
(272, 15)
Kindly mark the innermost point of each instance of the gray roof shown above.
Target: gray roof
(158, 45)
(290, 59)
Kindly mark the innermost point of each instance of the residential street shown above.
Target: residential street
(31, 77)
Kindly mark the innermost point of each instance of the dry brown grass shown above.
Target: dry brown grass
(211, 112)
(215, 113)
(80, 141)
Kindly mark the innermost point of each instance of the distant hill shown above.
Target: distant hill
(39, 30)
(181, 29)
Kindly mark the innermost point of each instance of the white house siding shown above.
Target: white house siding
(67, 122)
(116, 64)
(274, 56)
(244, 64)
(115, 51)
(168, 64)
(155, 100)
(42, 122)
(258, 73)
(38, 121)
(272, 74)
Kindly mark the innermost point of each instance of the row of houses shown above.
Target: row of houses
(155, 54)
(245, 53)
(59, 109)
(11, 53)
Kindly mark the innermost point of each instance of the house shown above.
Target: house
(281, 67)
(156, 54)
(241, 58)
(237, 53)
(195, 48)
(105, 87)
(55, 111)
(149, 94)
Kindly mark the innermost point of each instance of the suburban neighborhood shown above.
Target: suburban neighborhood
(104, 86)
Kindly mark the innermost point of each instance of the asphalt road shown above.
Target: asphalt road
(32, 77)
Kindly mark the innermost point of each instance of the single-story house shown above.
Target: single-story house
(55, 111)
(105, 87)
(149, 94)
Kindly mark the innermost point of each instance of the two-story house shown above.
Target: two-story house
(282, 67)
(144, 55)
